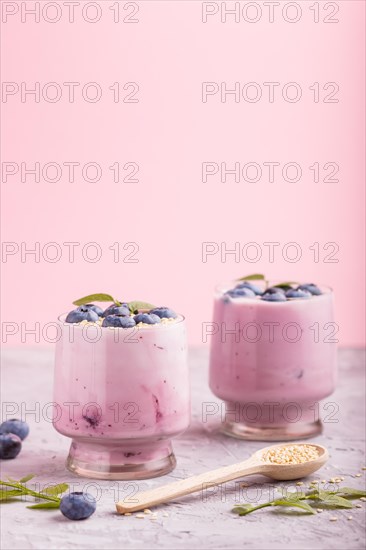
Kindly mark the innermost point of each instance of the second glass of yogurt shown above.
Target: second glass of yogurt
(121, 393)
(273, 358)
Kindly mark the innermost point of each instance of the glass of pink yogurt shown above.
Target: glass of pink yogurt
(121, 395)
(272, 360)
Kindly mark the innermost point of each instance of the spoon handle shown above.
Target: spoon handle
(187, 486)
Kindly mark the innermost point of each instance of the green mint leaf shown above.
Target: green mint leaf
(351, 492)
(26, 478)
(135, 306)
(254, 277)
(43, 505)
(243, 509)
(95, 298)
(55, 490)
(334, 501)
(287, 285)
(294, 503)
(5, 495)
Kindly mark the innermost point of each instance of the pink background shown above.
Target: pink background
(170, 132)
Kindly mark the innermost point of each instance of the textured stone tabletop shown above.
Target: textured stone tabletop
(197, 521)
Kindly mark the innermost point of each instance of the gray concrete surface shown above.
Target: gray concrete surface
(200, 521)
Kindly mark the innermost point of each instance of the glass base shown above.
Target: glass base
(287, 432)
(120, 461)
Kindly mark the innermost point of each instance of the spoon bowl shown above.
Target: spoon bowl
(256, 464)
(287, 472)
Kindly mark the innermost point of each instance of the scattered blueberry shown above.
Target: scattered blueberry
(10, 445)
(98, 310)
(254, 288)
(81, 313)
(148, 318)
(15, 426)
(240, 293)
(78, 505)
(297, 293)
(274, 296)
(310, 287)
(117, 310)
(164, 312)
(120, 321)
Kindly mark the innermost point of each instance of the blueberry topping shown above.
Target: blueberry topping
(310, 287)
(98, 310)
(120, 321)
(117, 310)
(78, 505)
(274, 296)
(274, 290)
(164, 312)
(148, 318)
(254, 288)
(15, 426)
(10, 445)
(240, 293)
(297, 293)
(82, 313)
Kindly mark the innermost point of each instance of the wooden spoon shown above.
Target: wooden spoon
(254, 465)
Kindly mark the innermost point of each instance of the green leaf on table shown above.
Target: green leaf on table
(95, 298)
(135, 306)
(254, 277)
(351, 492)
(45, 505)
(334, 501)
(294, 503)
(243, 509)
(26, 478)
(5, 495)
(55, 490)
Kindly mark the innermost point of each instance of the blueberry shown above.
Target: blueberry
(274, 290)
(78, 505)
(240, 293)
(274, 296)
(254, 288)
(310, 287)
(10, 445)
(98, 310)
(15, 426)
(117, 310)
(297, 293)
(120, 321)
(163, 312)
(148, 318)
(81, 313)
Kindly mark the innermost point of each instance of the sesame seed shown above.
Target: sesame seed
(359, 506)
(349, 518)
(300, 483)
(358, 475)
(319, 510)
(127, 514)
(147, 511)
(291, 454)
(165, 515)
(363, 499)
(332, 519)
(140, 516)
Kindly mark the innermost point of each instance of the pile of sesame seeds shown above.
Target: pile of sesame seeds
(147, 514)
(291, 454)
